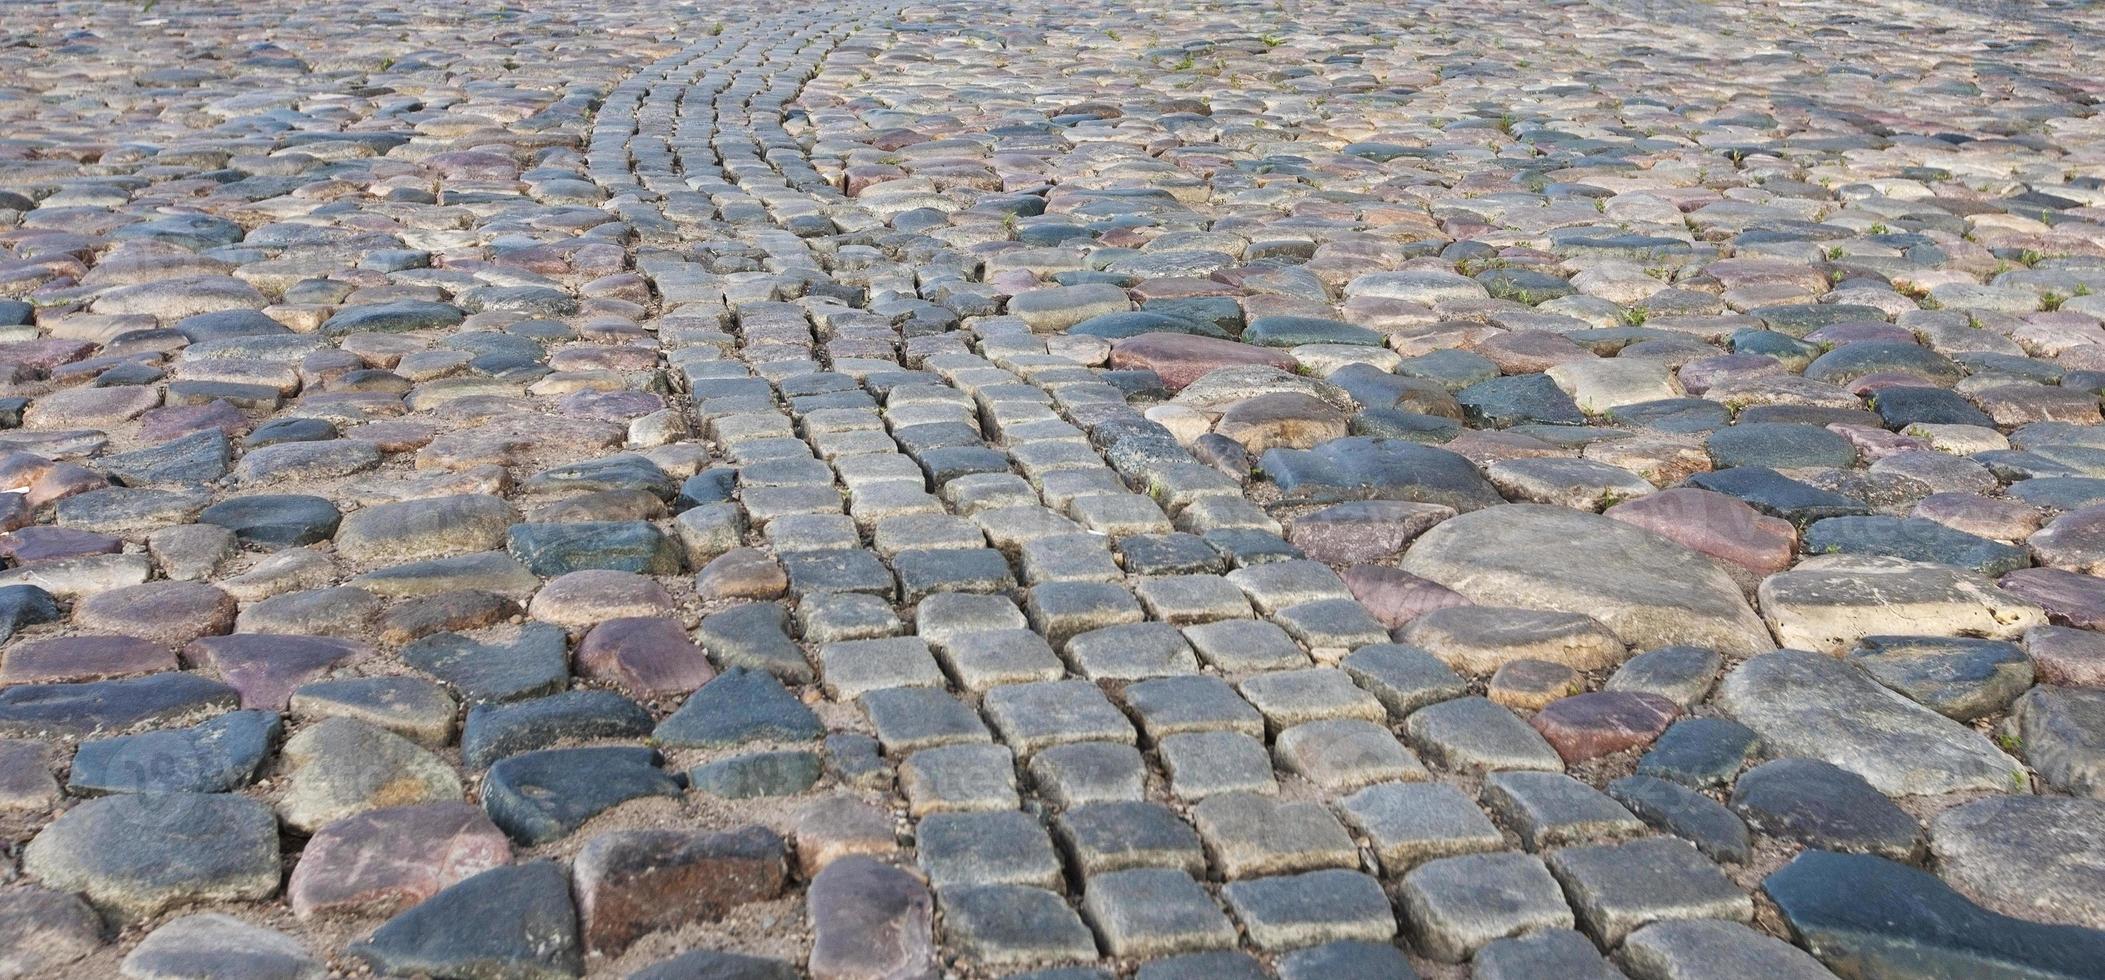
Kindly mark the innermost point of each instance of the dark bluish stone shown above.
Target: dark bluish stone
(739, 706)
(539, 796)
(708, 964)
(624, 546)
(1867, 916)
(1700, 752)
(1356, 468)
(275, 520)
(1849, 362)
(1293, 331)
(401, 316)
(1773, 493)
(1916, 539)
(1169, 554)
(1520, 398)
(625, 471)
(711, 486)
(1823, 805)
(1219, 312)
(1684, 415)
(1388, 423)
(758, 774)
(1451, 368)
(200, 457)
(25, 605)
(290, 430)
(1960, 677)
(1901, 407)
(1524, 285)
(33, 710)
(533, 662)
(1133, 323)
(222, 324)
(2060, 492)
(217, 756)
(1685, 813)
(1799, 319)
(1778, 445)
(516, 921)
(494, 731)
(1246, 546)
(1792, 353)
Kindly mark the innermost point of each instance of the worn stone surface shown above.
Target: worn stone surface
(1650, 591)
(1813, 705)
(1275, 448)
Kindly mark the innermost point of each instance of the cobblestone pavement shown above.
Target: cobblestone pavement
(873, 491)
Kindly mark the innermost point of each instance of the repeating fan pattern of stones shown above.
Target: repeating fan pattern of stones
(1131, 489)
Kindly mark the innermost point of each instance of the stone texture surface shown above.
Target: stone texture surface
(894, 490)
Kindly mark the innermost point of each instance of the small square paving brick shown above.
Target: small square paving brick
(1012, 925)
(1249, 835)
(1295, 697)
(1170, 554)
(1062, 609)
(1617, 888)
(1237, 646)
(1217, 965)
(1411, 823)
(764, 504)
(911, 718)
(812, 532)
(960, 778)
(1119, 514)
(1069, 558)
(1291, 911)
(871, 468)
(1061, 488)
(1550, 809)
(1244, 547)
(1105, 837)
(1197, 703)
(1453, 906)
(1009, 527)
(1344, 754)
(978, 661)
(1276, 585)
(1203, 764)
(1476, 735)
(933, 571)
(1034, 716)
(1187, 599)
(1089, 772)
(839, 570)
(1007, 848)
(852, 669)
(836, 616)
(1147, 912)
(1331, 628)
(1134, 651)
(1403, 678)
(917, 531)
(1346, 960)
(882, 501)
(987, 491)
(1561, 953)
(941, 619)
